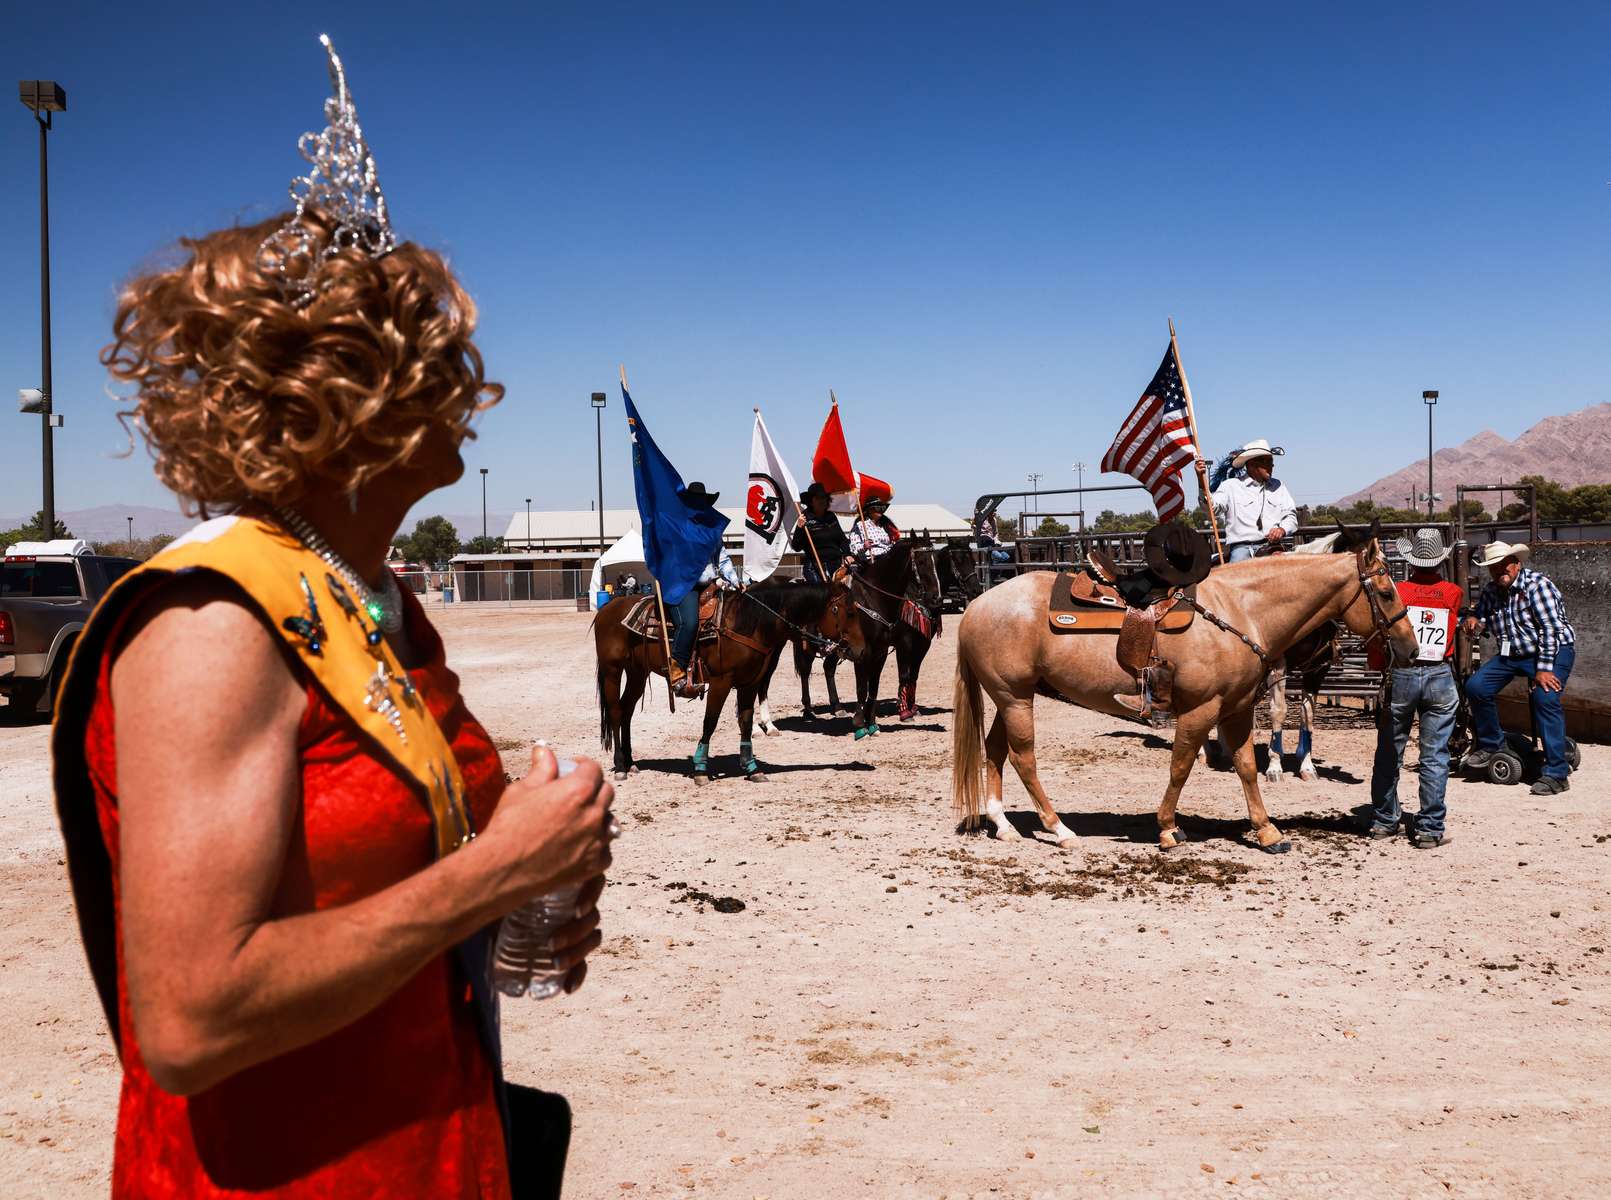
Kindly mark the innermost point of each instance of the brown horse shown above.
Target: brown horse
(755, 624)
(1006, 647)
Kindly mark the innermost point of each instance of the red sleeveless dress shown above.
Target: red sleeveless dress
(399, 1103)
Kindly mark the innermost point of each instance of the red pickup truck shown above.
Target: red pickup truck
(45, 600)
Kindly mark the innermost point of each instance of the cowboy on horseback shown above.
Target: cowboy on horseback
(873, 534)
(819, 529)
(720, 571)
(1253, 506)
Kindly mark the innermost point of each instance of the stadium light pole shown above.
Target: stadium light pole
(1430, 399)
(528, 524)
(1034, 488)
(483, 503)
(599, 399)
(1080, 467)
(44, 98)
(130, 520)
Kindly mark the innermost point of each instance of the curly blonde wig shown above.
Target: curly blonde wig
(243, 399)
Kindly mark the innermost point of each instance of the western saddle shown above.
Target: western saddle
(1136, 605)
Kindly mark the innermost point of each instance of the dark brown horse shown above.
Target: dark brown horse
(933, 574)
(755, 624)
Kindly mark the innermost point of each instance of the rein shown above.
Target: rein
(1219, 623)
(810, 636)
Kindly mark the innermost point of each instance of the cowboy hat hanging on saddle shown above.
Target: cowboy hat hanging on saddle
(697, 603)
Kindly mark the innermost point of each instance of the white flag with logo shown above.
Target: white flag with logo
(771, 507)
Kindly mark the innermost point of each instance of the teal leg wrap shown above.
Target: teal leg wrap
(746, 758)
(702, 759)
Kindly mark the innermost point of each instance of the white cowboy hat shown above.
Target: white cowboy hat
(1497, 552)
(1427, 550)
(1257, 448)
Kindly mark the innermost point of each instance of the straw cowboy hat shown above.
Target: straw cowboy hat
(1257, 448)
(1427, 550)
(1497, 552)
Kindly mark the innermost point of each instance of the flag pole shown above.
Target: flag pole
(1196, 442)
(660, 606)
(860, 516)
(810, 541)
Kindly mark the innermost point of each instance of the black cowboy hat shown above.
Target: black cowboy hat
(1176, 554)
(695, 493)
(816, 489)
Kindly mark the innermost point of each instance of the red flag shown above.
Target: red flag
(874, 488)
(830, 465)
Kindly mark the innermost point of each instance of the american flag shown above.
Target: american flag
(1154, 442)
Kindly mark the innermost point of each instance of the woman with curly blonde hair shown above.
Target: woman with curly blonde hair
(288, 837)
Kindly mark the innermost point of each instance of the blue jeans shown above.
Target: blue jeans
(1430, 690)
(1492, 676)
(1239, 553)
(687, 618)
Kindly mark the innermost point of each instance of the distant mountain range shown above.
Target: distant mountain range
(1571, 449)
(109, 523)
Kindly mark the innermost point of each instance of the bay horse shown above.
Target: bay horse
(1248, 614)
(755, 624)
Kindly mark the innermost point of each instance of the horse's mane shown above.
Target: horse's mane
(797, 602)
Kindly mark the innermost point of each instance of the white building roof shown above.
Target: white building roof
(580, 527)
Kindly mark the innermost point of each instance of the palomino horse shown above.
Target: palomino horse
(756, 623)
(1249, 613)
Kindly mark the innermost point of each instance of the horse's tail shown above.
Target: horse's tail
(967, 740)
(606, 732)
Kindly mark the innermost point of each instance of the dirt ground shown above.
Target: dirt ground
(900, 1010)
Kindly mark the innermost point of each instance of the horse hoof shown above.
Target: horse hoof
(701, 780)
(1068, 843)
(1171, 839)
(1309, 776)
(1281, 847)
(632, 770)
(773, 732)
(1274, 776)
(756, 777)
(620, 775)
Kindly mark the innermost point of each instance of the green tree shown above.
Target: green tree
(481, 544)
(433, 542)
(1109, 521)
(33, 531)
(1051, 527)
(1006, 528)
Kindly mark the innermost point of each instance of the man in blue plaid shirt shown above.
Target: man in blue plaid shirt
(1524, 610)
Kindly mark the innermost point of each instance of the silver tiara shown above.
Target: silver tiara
(341, 184)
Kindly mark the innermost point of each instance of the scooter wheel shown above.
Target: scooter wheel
(1504, 768)
(1574, 756)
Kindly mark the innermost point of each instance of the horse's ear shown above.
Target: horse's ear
(1343, 529)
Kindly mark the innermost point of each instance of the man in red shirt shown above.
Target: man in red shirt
(1426, 687)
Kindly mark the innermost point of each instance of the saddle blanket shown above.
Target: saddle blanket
(643, 619)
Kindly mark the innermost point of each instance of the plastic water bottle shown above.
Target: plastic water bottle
(523, 958)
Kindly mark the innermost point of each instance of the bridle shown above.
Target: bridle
(1378, 617)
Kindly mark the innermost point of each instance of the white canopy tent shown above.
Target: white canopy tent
(626, 555)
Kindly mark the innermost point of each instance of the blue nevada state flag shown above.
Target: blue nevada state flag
(679, 538)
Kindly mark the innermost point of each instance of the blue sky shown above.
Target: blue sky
(971, 221)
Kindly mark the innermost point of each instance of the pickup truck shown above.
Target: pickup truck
(45, 601)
